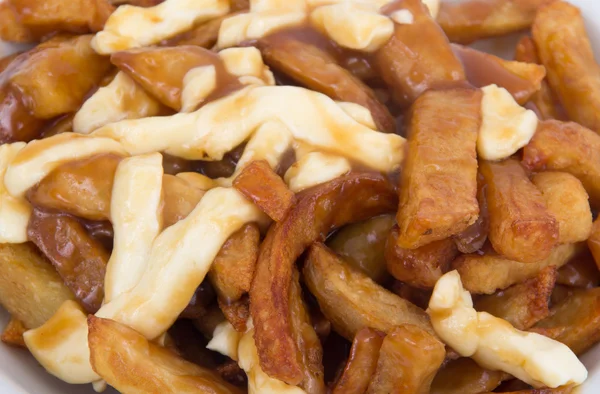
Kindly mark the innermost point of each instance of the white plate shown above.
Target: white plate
(20, 373)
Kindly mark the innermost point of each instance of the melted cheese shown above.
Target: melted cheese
(315, 168)
(14, 211)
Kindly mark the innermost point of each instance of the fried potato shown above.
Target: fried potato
(581, 272)
(317, 69)
(361, 363)
(438, 186)
(558, 390)
(522, 80)
(485, 273)
(471, 20)
(419, 297)
(350, 198)
(464, 376)
(408, 361)
(180, 198)
(232, 373)
(12, 29)
(137, 3)
(30, 288)
(204, 35)
(131, 364)
(261, 185)
(474, 237)
(567, 147)
(420, 267)
(79, 259)
(567, 201)
(363, 245)
(564, 48)
(352, 301)
(574, 322)
(593, 242)
(418, 57)
(236, 313)
(6, 60)
(209, 322)
(13, 333)
(523, 304)
(522, 227)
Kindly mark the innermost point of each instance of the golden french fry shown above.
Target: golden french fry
(361, 363)
(13, 333)
(523, 304)
(144, 367)
(408, 361)
(180, 198)
(581, 272)
(12, 29)
(474, 237)
(565, 50)
(521, 226)
(30, 288)
(204, 35)
(593, 242)
(236, 313)
(487, 272)
(419, 297)
(5, 61)
(352, 301)
(464, 376)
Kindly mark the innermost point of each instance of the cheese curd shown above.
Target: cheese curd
(315, 168)
(14, 211)
(494, 344)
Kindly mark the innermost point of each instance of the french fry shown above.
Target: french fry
(574, 322)
(485, 273)
(581, 272)
(523, 304)
(567, 201)
(593, 242)
(144, 367)
(13, 333)
(474, 237)
(464, 376)
(522, 80)
(561, 293)
(363, 245)
(180, 198)
(232, 373)
(5, 61)
(427, 61)
(318, 70)
(408, 361)
(352, 301)
(236, 312)
(438, 187)
(521, 226)
(565, 50)
(414, 295)
(468, 21)
(204, 35)
(261, 185)
(12, 29)
(568, 147)
(350, 198)
(420, 267)
(207, 323)
(361, 363)
(30, 288)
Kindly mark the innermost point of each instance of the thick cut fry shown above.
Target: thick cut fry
(350, 198)
(438, 188)
(180, 198)
(521, 226)
(418, 57)
(352, 301)
(581, 272)
(131, 364)
(567, 147)
(485, 273)
(565, 51)
(261, 185)
(593, 242)
(574, 322)
(408, 361)
(464, 376)
(522, 80)
(420, 267)
(471, 20)
(523, 304)
(363, 245)
(13, 333)
(30, 288)
(11, 29)
(361, 363)
(474, 237)
(417, 296)
(315, 68)
(79, 259)
(236, 313)
(567, 201)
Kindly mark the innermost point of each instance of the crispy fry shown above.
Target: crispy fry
(464, 376)
(522, 80)
(420, 267)
(350, 198)
(468, 21)
(79, 259)
(116, 351)
(523, 304)
(417, 296)
(474, 237)
(261, 185)
(418, 57)
(361, 363)
(236, 312)
(567, 201)
(5, 61)
(521, 226)
(180, 198)
(363, 245)
(13, 333)
(565, 50)
(318, 70)
(439, 180)
(352, 301)
(12, 29)
(581, 272)
(593, 242)
(204, 35)
(567, 147)
(574, 322)
(488, 272)
(30, 288)
(408, 361)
